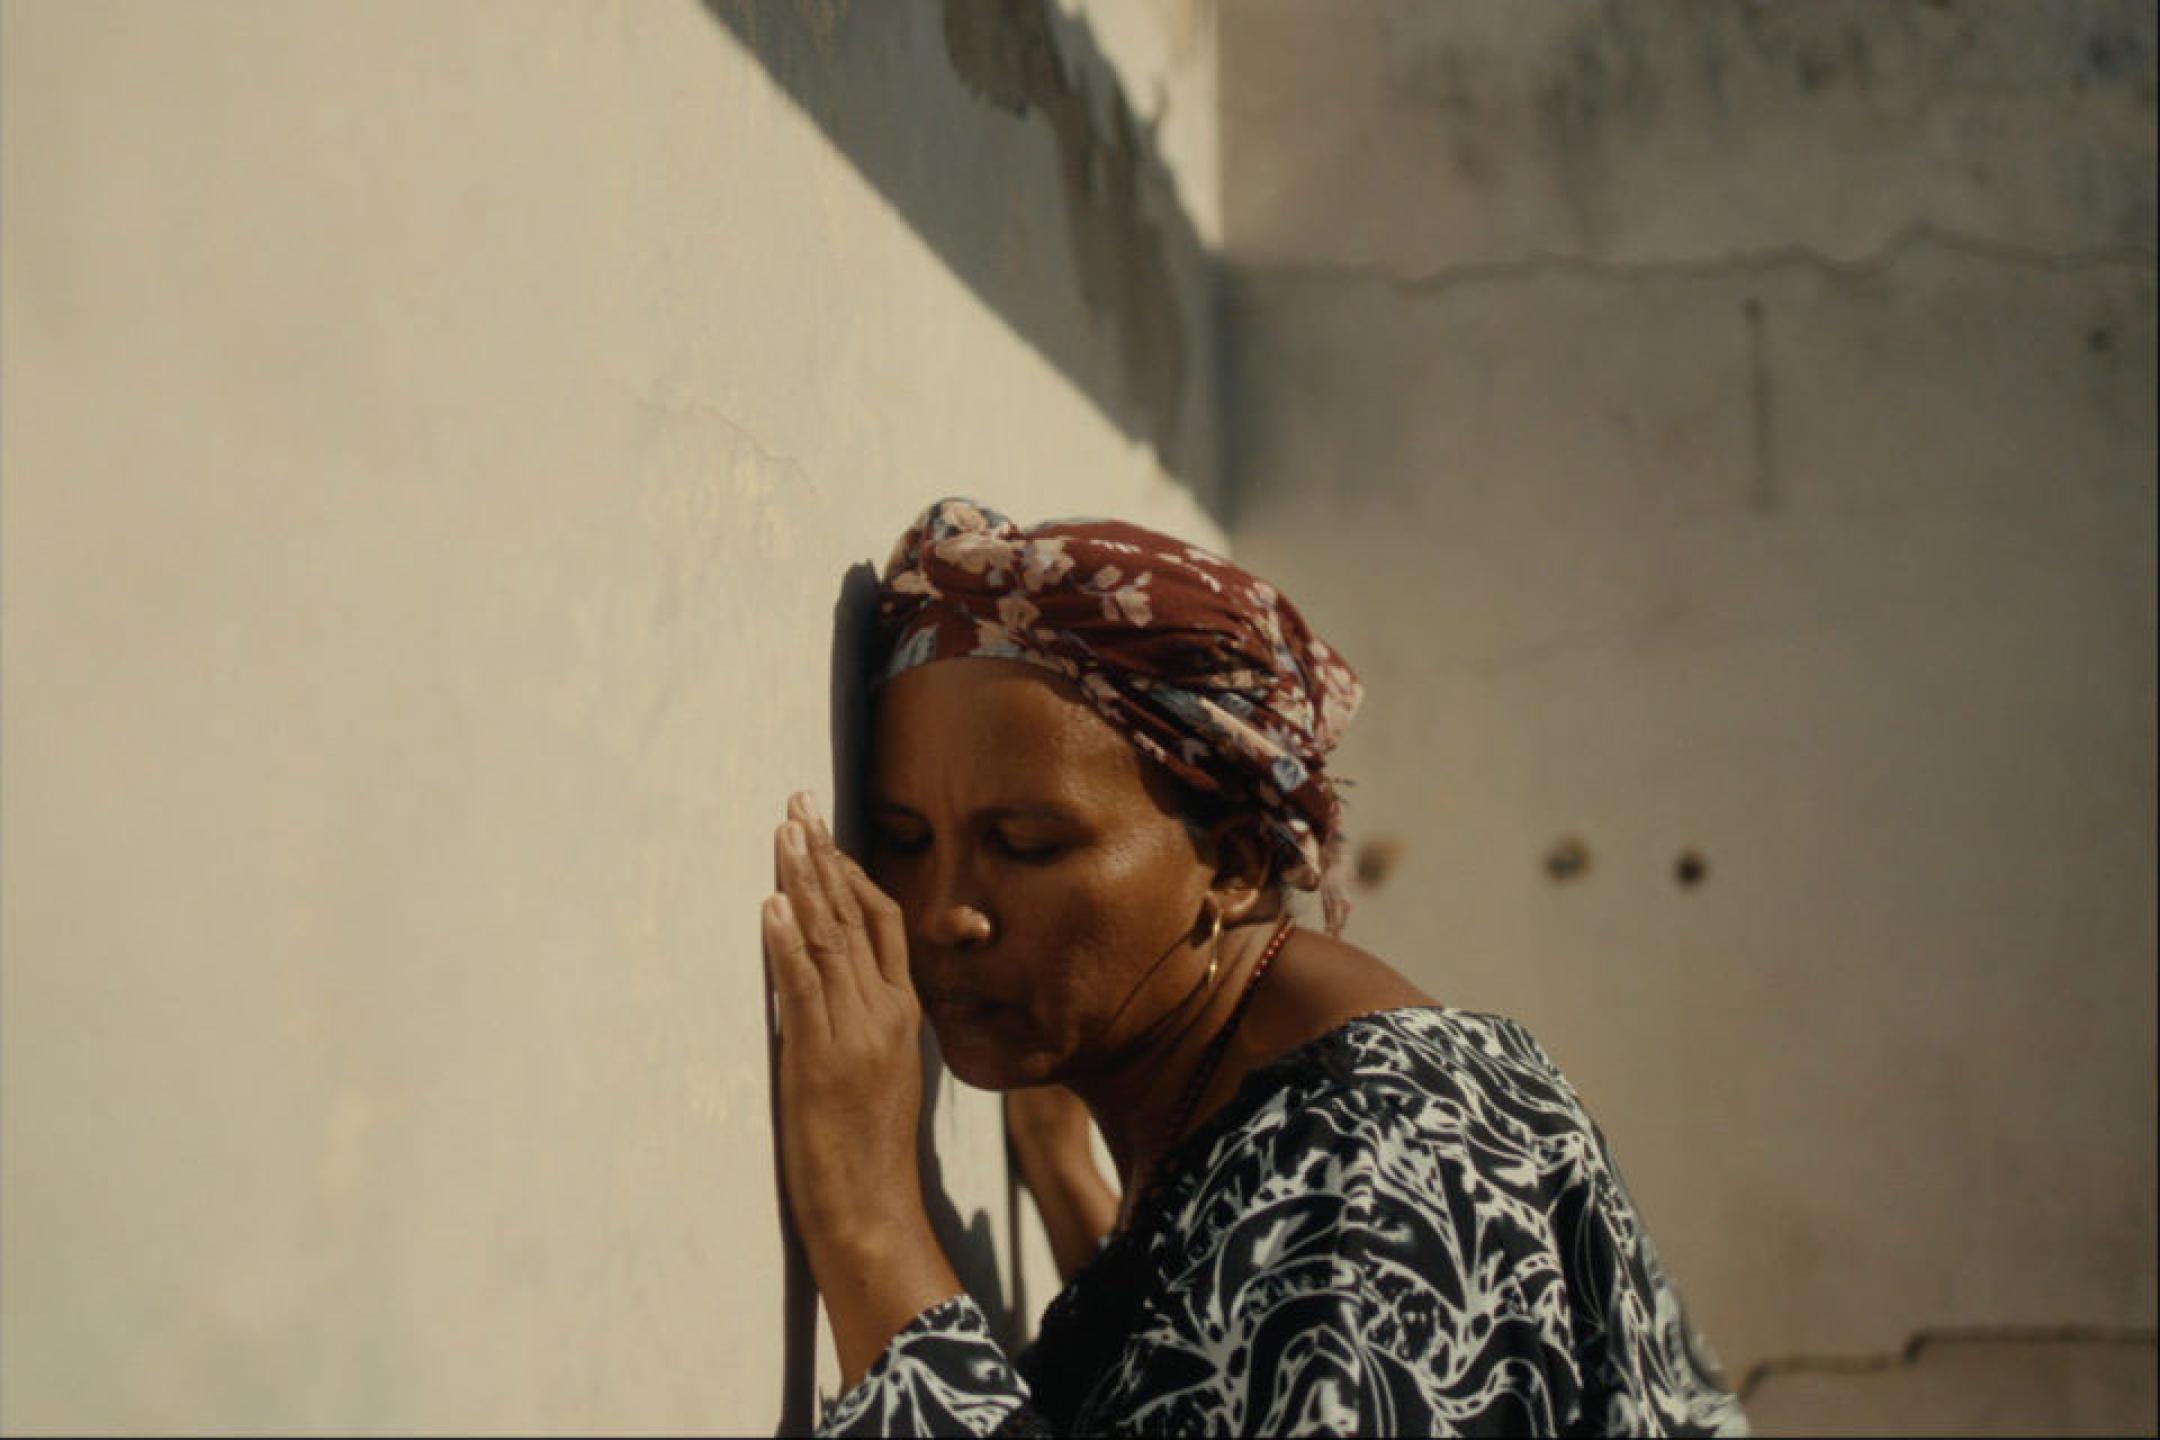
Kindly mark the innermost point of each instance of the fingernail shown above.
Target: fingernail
(791, 835)
(810, 810)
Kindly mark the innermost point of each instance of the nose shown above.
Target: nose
(954, 916)
(959, 927)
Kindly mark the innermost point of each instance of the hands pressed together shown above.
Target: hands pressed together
(850, 1070)
(850, 1077)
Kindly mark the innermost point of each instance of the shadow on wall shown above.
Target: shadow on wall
(932, 108)
(968, 1244)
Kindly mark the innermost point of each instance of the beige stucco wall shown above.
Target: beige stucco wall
(436, 438)
(1730, 428)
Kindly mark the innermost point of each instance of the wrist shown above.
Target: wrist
(874, 1278)
(1046, 1124)
(1077, 1206)
(1062, 1163)
(1051, 1137)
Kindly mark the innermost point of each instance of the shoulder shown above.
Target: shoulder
(1408, 1112)
(1318, 983)
(1423, 1072)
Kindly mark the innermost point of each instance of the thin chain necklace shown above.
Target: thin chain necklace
(1209, 1060)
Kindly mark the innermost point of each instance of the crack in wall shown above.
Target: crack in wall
(1920, 1341)
(1762, 494)
(1919, 235)
(706, 409)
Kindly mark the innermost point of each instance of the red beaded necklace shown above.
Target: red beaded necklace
(1211, 1057)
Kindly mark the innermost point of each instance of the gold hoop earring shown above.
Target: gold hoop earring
(1214, 964)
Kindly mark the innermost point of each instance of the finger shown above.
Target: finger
(829, 862)
(886, 924)
(831, 865)
(794, 978)
(824, 934)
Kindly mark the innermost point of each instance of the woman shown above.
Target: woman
(1347, 1209)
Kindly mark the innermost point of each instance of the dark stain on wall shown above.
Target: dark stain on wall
(1377, 859)
(1616, 78)
(1568, 859)
(1006, 53)
(2112, 54)
(1600, 70)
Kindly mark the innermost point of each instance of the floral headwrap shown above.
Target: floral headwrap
(1205, 668)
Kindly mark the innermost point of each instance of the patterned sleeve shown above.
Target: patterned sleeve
(1371, 1281)
(941, 1375)
(1645, 1368)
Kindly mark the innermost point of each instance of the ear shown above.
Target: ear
(1244, 866)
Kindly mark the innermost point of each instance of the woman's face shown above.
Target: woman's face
(1039, 866)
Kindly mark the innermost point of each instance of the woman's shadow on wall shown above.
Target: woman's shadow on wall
(968, 1243)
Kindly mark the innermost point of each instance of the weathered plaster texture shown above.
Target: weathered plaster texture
(2075, 1384)
(1752, 461)
(437, 441)
(1410, 135)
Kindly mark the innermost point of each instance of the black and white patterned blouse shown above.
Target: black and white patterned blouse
(1406, 1227)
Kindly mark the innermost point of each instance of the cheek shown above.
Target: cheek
(1151, 880)
(1101, 929)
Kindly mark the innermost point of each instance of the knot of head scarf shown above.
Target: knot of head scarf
(1206, 669)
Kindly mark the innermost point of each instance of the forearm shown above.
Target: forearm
(1077, 1205)
(875, 1280)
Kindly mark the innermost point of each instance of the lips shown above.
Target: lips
(957, 1002)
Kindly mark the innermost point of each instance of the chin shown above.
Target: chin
(975, 1057)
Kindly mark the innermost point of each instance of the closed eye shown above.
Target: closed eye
(1027, 854)
(908, 840)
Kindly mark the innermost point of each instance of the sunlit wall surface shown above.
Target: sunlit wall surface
(437, 439)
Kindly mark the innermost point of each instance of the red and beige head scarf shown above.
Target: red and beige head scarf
(1206, 669)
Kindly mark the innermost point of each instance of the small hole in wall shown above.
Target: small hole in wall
(1568, 858)
(1376, 858)
(2100, 340)
(1690, 869)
